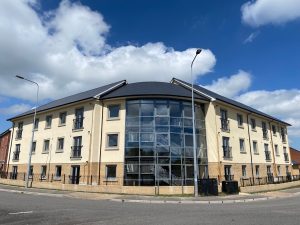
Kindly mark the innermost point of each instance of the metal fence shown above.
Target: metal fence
(253, 181)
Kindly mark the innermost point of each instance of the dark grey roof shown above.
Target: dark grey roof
(4, 132)
(229, 101)
(152, 89)
(75, 98)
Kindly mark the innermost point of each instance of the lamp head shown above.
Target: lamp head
(198, 51)
(17, 76)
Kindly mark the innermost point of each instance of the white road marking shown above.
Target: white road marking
(16, 213)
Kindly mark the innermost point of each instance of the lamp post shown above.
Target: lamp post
(33, 125)
(194, 129)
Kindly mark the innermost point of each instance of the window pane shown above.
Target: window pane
(162, 139)
(112, 140)
(132, 151)
(111, 171)
(176, 140)
(114, 111)
(162, 110)
(175, 109)
(132, 110)
(147, 109)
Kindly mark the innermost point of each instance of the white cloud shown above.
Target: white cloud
(251, 37)
(15, 109)
(262, 12)
(231, 86)
(65, 51)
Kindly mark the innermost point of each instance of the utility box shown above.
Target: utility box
(208, 186)
(230, 187)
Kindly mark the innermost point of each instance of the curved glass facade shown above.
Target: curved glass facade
(159, 142)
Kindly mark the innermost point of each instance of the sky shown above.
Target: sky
(251, 50)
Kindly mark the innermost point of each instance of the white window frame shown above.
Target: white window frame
(108, 112)
(107, 141)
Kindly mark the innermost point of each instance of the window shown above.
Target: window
(57, 171)
(33, 147)
(242, 145)
(227, 172)
(43, 172)
(62, 118)
(264, 130)
(285, 154)
(240, 120)
(111, 171)
(244, 172)
(31, 171)
(257, 170)
(283, 134)
(48, 121)
(78, 121)
(267, 152)
(269, 173)
(274, 130)
(46, 145)
(226, 148)
(19, 130)
(112, 140)
(36, 123)
(60, 144)
(14, 174)
(113, 111)
(255, 149)
(224, 120)
(76, 148)
(276, 150)
(278, 171)
(16, 154)
(253, 124)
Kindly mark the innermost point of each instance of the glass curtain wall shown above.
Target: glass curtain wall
(159, 142)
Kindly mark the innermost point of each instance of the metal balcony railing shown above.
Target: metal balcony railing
(268, 155)
(19, 133)
(78, 124)
(227, 152)
(76, 152)
(16, 155)
(286, 157)
(265, 135)
(225, 125)
(229, 177)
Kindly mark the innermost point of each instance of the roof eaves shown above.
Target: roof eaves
(98, 96)
(175, 80)
(228, 102)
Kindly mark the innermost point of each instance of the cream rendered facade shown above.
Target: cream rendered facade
(96, 155)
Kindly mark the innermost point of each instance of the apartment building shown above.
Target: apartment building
(4, 148)
(141, 134)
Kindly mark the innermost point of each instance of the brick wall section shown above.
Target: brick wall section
(295, 157)
(4, 148)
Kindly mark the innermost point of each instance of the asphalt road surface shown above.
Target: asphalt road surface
(17, 208)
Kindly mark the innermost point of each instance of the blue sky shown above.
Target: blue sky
(252, 49)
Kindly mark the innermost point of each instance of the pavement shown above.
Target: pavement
(52, 207)
(221, 199)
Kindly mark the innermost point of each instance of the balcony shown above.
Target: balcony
(268, 155)
(225, 125)
(265, 135)
(78, 124)
(16, 156)
(286, 157)
(229, 177)
(227, 153)
(19, 134)
(283, 137)
(76, 152)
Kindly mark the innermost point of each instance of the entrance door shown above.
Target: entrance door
(227, 172)
(75, 174)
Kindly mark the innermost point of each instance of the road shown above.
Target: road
(17, 208)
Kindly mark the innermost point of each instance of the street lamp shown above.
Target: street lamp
(32, 138)
(194, 129)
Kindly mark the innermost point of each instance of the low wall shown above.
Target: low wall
(113, 189)
(269, 187)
